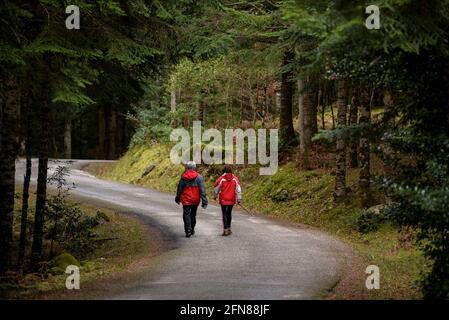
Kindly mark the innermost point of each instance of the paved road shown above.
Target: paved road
(263, 259)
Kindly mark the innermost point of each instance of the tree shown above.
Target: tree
(340, 172)
(353, 121)
(307, 28)
(415, 35)
(68, 136)
(41, 192)
(388, 152)
(7, 168)
(364, 151)
(307, 117)
(11, 67)
(286, 131)
(101, 147)
(112, 44)
(27, 116)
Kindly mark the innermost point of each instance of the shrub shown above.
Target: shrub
(66, 224)
(59, 263)
(370, 220)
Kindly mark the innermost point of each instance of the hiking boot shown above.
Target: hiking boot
(225, 232)
(229, 232)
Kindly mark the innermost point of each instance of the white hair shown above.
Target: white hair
(191, 165)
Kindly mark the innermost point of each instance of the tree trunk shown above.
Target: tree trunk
(101, 133)
(333, 116)
(119, 133)
(340, 174)
(2, 100)
(241, 107)
(81, 138)
(41, 193)
(68, 137)
(323, 110)
(353, 120)
(388, 152)
(201, 110)
(107, 123)
(173, 101)
(26, 186)
(21, 122)
(314, 112)
(306, 117)
(7, 170)
(320, 108)
(253, 109)
(112, 150)
(266, 106)
(277, 101)
(364, 153)
(287, 133)
(173, 106)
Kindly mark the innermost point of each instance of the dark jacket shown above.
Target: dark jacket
(191, 189)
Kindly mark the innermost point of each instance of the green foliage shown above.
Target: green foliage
(58, 264)
(70, 227)
(219, 84)
(150, 115)
(152, 124)
(408, 55)
(420, 184)
(202, 80)
(66, 224)
(219, 58)
(370, 220)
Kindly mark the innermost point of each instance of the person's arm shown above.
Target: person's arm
(203, 195)
(179, 190)
(238, 191)
(217, 187)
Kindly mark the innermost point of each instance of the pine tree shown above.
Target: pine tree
(353, 121)
(286, 131)
(27, 119)
(364, 150)
(307, 117)
(340, 173)
(7, 169)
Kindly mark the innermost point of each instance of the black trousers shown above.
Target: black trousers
(189, 217)
(227, 216)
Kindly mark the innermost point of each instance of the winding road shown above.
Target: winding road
(263, 259)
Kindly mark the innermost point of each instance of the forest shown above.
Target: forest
(344, 96)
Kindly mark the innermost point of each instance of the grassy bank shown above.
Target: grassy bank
(120, 241)
(300, 197)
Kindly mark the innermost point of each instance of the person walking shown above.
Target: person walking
(227, 188)
(191, 191)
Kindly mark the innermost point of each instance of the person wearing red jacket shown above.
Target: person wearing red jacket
(191, 191)
(227, 188)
